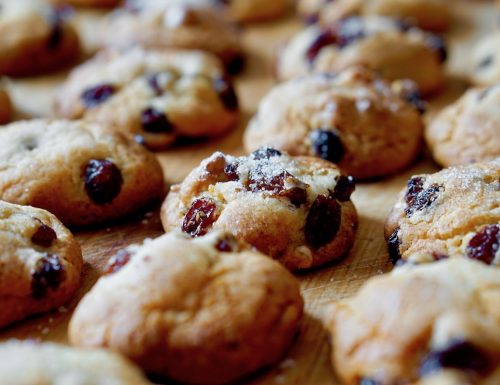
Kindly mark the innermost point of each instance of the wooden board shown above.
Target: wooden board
(307, 361)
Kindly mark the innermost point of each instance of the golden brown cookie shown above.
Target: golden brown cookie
(153, 96)
(354, 119)
(164, 24)
(379, 43)
(452, 213)
(5, 106)
(428, 325)
(81, 172)
(468, 130)
(29, 363)
(296, 210)
(36, 38)
(486, 60)
(199, 311)
(40, 263)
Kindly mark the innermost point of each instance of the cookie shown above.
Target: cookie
(164, 24)
(486, 60)
(81, 172)
(88, 3)
(379, 43)
(433, 15)
(468, 130)
(237, 312)
(454, 213)
(36, 38)
(296, 210)
(40, 262)
(354, 119)
(29, 363)
(5, 106)
(153, 96)
(428, 325)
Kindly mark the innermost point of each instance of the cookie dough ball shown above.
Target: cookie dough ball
(467, 131)
(354, 119)
(296, 210)
(40, 263)
(5, 106)
(486, 61)
(29, 363)
(158, 24)
(79, 171)
(36, 38)
(379, 43)
(428, 325)
(199, 311)
(449, 214)
(152, 96)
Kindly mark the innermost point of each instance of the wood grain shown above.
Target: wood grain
(307, 361)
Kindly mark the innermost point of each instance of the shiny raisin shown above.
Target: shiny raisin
(327, 145)
(393, 246)
(48, 274)
(417, 198)
(235, 65)
(97, 95)
(344, 188)
(265, 153)
(200, 217)
(323, 221)
(437, 44)
(226, 92)
(485, 244)
(231, 171)
(44, 235)
(324, 39)
(155, 121)
(103, 180)
(154, 82)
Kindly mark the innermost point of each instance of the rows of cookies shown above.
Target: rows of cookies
(213, 300)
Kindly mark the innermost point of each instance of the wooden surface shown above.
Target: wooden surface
(307, 361)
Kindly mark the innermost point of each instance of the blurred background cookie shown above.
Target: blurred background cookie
(40, 263)
(354, 119)
(198, 311)
(5, 106)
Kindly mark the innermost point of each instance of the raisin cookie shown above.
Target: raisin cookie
(29, 363)
(432, 324)
(5, 106)
(154, 96)
(296, 210)
(431, 15)
(40, 262)
(467, 131)
(486, 60)
(161, 24)
(452, 213)
(237, 312)
(354, 119)
(79, 171)
(35, 38)
(382, 44)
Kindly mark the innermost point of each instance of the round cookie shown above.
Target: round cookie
(174, 24)
(467, 131)
(81, 172)
(88, 3)
(354, 119)
(486, 60)
(428, 325)
(237, 312)
(152, 95)
(296, 210)
(29, 363)
(40, 262)
(379, 43)
(5, 106)
(35, 38)
(449, 214)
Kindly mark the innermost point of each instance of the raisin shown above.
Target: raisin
(226, 92)
(414, 187)
(437, 44)
(348, 32)
(56, 35)
(97, 95)
(485, 62)
(44, 235)
(116, 262)
(155, 121)
(485, 244)
(327, 145)
(154, 83)
(235, 65)
(48, 274)
(231, 171)
(265, 153)
(344, 188)
(200, 217)
(296, 195)
(103, 180)
(326, 38)
(224, 246)
(393, 246)
(417, 198)
(323, 221)
(461, 355)
(408, 91)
